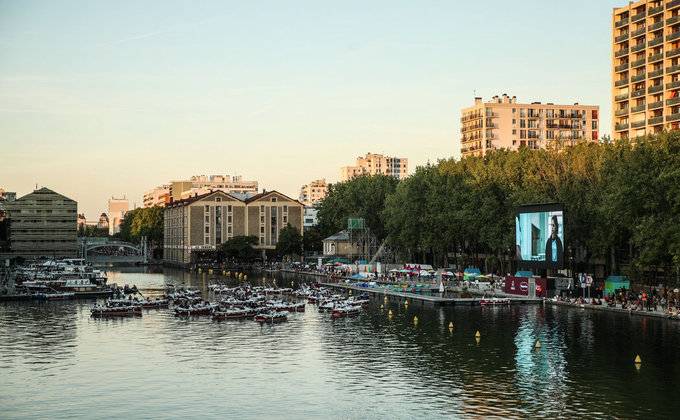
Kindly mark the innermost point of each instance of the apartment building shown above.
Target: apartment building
(645, 68)
(198, 225)
(117, 209)
(313, 192)
(198, 185)
(373, 164)
(502, 123)
(42, 223)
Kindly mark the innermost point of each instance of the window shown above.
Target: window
(207, 229)
(262, 209)
(207, 240)
(229, 219)
(218, 199)
(207, 219)
(261, 219)
(229, 230)
(273, 199)
(514, 110)
(514, 132)
(522, 112)
(207, 209)
(229, 209)
(549, 134)
(514, 121)
(261, 229)
(285, 208)
(594, 125)
(522, 123)
(523, 134)
(285, 219)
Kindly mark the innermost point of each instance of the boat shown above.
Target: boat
(200, 309)
(272, 317)
(107, 311)
(229, 314)
(345, 310)
(130, 290)
(494, 301)
(85, 288)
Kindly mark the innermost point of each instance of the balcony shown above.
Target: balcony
(655, 73)
(639, 16)
(621, 37)
(656, 41)
(672, 101)
(654, 10)
(655, 120)
(621, 97)
(638, 93)
(621, 23)
(637, 109)
(622, 82)
(673, 69)
(654, 89)
(638, 32)
(621, 53)
(655, 105)
(638, 78)
(620, 127)
(673, 36)
(672, 85)
(656, 57)
(674, 19)
(655, 26)
(618, 113)
(672, 4)
(673, 117)
(638, 124)
(673, 53)
(621, 67)
(638, 47)
(637, 63)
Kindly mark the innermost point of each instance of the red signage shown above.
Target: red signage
(517, 285)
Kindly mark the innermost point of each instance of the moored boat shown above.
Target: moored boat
(272, 317)
(494, 301)
(102, 311)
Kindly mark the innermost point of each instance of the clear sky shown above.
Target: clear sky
(101, 99)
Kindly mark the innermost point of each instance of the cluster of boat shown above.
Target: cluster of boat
(267, 305)
(59, 280)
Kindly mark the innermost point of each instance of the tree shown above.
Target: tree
(289, 242)
(240, 248)
(146, 221)
(312, 241)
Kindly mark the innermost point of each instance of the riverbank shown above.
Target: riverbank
(653, 313)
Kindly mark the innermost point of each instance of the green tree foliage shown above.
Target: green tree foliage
(90, 231)
(289, 242)
(361, 197)
(240, 248)
(146, 221)
(622, 203)
(312, 241)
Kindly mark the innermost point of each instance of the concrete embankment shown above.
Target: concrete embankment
(618, 310)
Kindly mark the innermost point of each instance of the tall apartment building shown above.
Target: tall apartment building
(645, 68)
(313, 192)
(117, 209)
(502, 123)
(200, 224)
(42, 223)
(198, 185)
(373, 164)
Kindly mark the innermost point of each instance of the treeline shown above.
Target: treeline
(622, 205)
(143, 221)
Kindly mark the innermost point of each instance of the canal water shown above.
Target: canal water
(58, 362)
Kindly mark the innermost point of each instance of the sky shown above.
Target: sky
(102, 99)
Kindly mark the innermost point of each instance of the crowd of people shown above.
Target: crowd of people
(663, 300)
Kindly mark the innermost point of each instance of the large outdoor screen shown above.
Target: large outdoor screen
(539, 233)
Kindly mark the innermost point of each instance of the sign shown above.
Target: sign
(589, 280)
(517, 285)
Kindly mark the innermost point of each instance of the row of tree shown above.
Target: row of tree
(622, 205)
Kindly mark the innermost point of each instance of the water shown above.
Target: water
(57, 362)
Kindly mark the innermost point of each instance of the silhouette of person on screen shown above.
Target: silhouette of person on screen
(553, 247)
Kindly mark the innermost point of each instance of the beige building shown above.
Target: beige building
(502, 123)
(198, 185)
(373, 164)
(645, 68)
(313, 192)
(117, 209)
(202, 223)
(158, 196)
(339, 245)
(42, 223)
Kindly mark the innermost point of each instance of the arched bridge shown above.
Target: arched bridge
(114, 251)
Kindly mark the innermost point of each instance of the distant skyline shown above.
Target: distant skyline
(101, 99)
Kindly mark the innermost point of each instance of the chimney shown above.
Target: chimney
(478, 101)
(514, 100)
(506, 99)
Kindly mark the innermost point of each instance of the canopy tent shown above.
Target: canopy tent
(524, 274)
(339, 260)
(471, 273)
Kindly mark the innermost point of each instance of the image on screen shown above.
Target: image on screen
(539, 233)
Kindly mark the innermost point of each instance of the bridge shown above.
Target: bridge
(114, 252)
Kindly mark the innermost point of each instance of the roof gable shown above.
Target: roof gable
(267, 197)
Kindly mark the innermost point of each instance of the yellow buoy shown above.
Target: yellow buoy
(637, 359)
(406, 302)
(291, 284)
(415, 319)
(224, 272)
(229, 273)
(199, 270)
(390, 312)
(210, 271)
(350, 292)
(245, 277)
(538, 344)
(382, 306)
(385, 299)
(478, 334)
(451, 325)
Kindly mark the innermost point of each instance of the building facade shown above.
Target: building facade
(198, 185)
(117, 209)
(202, 223)
(42, 223)
(373, 164)
(313, 192)
(502, 123)
(645, 68)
